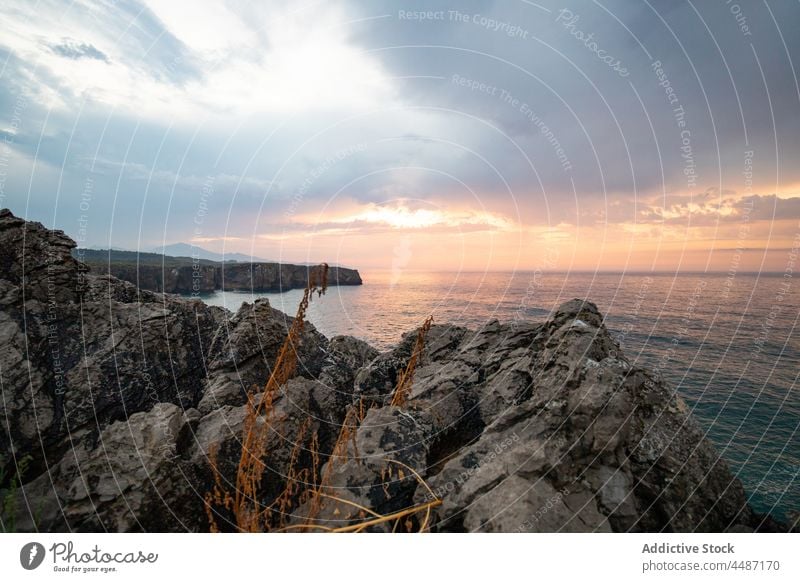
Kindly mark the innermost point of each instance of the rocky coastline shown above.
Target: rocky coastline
(116, 397)
(186, 276)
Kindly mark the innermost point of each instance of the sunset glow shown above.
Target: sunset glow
(341, 143)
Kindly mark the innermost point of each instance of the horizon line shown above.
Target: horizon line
(583, 271)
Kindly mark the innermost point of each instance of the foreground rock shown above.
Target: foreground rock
(120, 397)
(81, 353)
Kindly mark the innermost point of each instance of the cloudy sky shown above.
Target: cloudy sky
(441, 135)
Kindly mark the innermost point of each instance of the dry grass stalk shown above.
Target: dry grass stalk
(401, 516)
(397, 515)
(347, 435)
(218, 496)
(296, 480)
(246, 507)
(361, 526)
(338, 456)
(406, 379)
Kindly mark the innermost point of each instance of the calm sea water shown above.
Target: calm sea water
(730, 345)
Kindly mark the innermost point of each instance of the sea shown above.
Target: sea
(728, 342)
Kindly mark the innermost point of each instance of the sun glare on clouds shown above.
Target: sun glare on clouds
(280, 60)
(265, 59)
(285, 60)
(403, 217)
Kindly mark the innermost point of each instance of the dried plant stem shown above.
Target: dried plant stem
(218, 496)
(389, 517)
(356, 527)
(347, 435)
(350, 503)
(417, 475)
(406, 379)
(247, 507)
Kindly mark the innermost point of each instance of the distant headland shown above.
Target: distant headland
(193, 275)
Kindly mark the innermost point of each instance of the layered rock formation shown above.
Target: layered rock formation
(119, 397)
(154, 272)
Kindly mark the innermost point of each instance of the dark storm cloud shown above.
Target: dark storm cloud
(600, 119)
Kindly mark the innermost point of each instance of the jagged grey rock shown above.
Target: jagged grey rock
(120, 397)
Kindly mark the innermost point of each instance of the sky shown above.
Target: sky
(507, 135)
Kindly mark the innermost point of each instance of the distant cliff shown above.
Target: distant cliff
(156, 272)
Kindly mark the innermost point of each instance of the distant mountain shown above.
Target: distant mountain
(189, 250)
